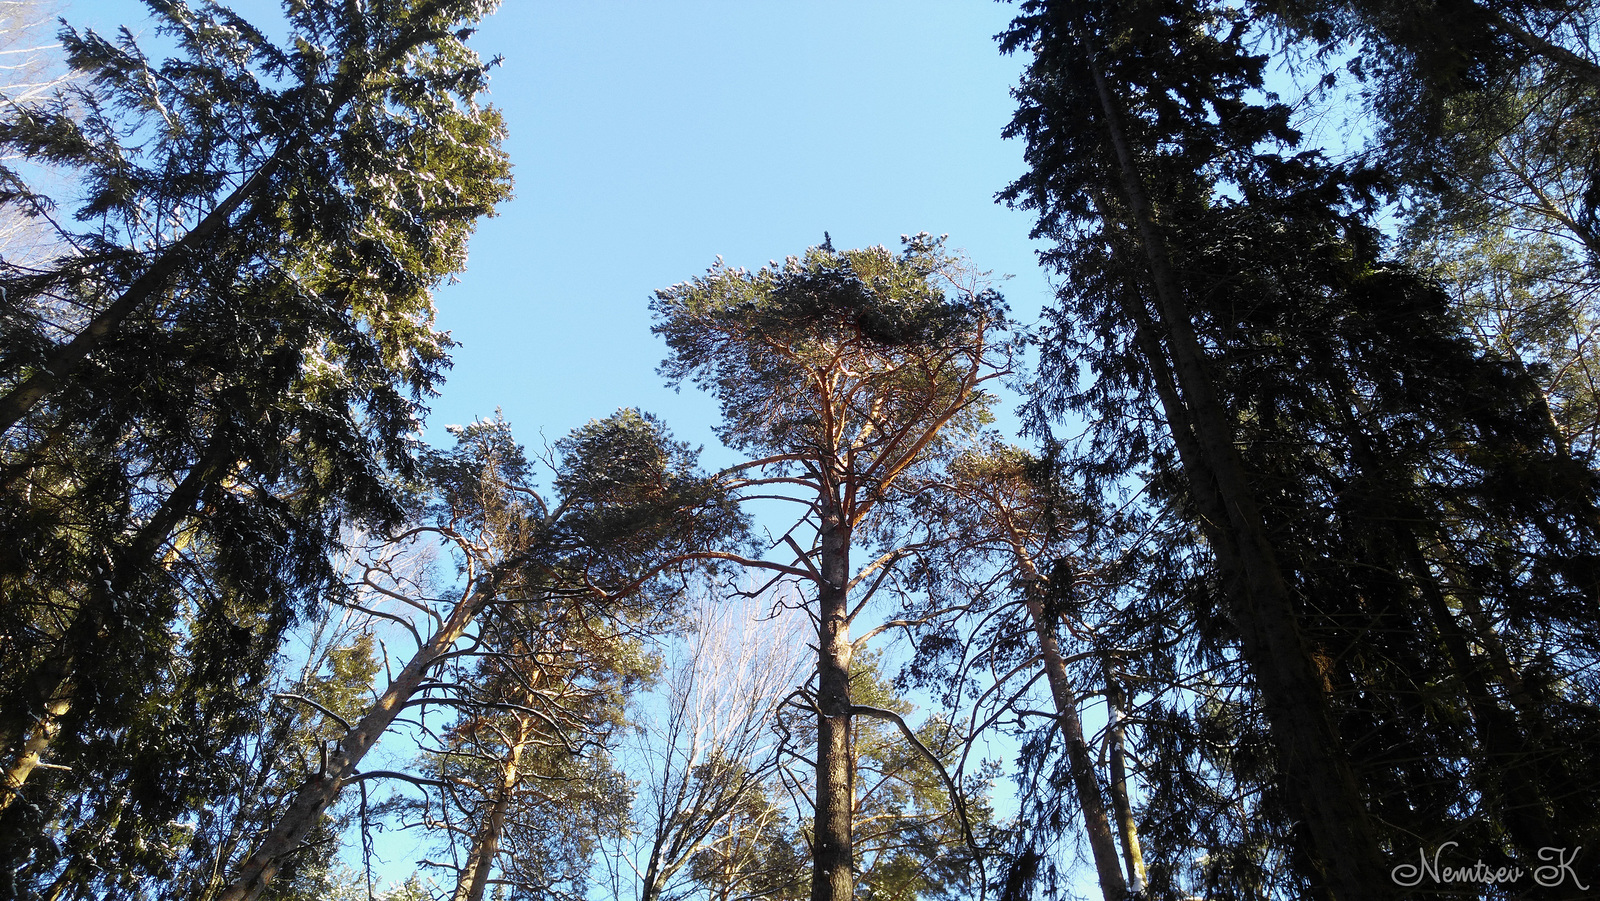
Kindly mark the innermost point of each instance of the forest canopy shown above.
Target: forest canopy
(1283, 581)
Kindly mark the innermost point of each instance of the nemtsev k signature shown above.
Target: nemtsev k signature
(1556, 871)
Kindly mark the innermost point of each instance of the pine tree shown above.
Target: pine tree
(630, 511)
(844, 375)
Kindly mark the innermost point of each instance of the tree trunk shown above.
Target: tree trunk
(1115, 702)
(69, 356)
(322, 789)
(1091, 800)
(474, 879)
(33, 747)
(1344, 848)
(833, 875)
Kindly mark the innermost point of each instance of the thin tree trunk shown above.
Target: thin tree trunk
(319, 792)
(1521, 799)
(474, 880)
(1485, 634)
(1115, 702)
(29, 757)
(651, 882)
(833, 876)
(1091, 800)
(1344, 848)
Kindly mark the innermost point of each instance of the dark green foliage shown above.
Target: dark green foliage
(1447, 81)
(754, 852)
(217, 371)
(556, 658)
(630, 512)
(1418, 502)
(631, 494)
(753, 339)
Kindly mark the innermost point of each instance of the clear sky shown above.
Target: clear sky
(650, 137)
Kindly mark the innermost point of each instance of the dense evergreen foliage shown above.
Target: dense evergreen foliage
(222, 363)
(1298, 592)
(1390, 513)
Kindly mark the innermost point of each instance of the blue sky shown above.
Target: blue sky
(648, 138)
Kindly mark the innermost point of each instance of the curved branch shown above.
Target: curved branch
(287, 696)
(956, 798)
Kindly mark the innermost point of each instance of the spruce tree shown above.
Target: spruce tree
(222, 363)
(1340, 443)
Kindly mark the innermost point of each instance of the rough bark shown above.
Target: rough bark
(1091, 799)
(833, 875)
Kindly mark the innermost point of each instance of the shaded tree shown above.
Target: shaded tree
(225, 364)
(1024, 567)
(531, 748)
(1305, 402)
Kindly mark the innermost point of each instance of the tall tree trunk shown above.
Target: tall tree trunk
(67, 357)
(1091, 800)
(319, 792)
(1211, 506)
(1115, 703)
(833, 875)
(474, 880)
(1487, 637)
(1344, 847)
(1502, 772)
